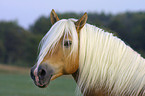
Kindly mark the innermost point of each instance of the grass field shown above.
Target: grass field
(17, 82)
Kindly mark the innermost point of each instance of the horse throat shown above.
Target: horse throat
(76, 75)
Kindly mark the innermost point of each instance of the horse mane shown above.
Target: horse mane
(106, 62)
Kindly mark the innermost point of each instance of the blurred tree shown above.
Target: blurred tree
(131, 28)
(2, 52)
(17, 46)
(41, 26)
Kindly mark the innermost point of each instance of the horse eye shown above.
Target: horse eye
(67, 43)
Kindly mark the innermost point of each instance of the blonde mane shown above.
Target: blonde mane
(105, 61)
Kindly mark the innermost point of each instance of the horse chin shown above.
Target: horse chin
(42, 86)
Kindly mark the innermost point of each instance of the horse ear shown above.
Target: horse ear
(81, 22)
(53, 17)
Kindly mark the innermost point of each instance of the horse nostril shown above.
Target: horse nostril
(42, 73)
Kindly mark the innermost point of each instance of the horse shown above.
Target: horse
(100, 63)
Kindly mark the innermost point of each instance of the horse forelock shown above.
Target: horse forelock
(107, 62)
(60, 29)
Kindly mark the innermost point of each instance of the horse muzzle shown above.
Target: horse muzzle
(42, 75)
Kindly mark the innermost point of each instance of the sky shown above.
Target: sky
(26, 12)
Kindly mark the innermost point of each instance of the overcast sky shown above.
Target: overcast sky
(27, 11)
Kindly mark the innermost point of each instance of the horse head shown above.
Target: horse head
(59, 50)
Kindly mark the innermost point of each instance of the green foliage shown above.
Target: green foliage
(19, 46)
(41, 26)
(2, 51)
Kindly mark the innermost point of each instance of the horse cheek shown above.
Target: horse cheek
(71, 65)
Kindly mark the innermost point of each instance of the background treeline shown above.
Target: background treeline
(19, 46)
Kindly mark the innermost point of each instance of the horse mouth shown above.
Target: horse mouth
(42, 86)
(42, 83)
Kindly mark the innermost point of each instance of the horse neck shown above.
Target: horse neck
(89, 93)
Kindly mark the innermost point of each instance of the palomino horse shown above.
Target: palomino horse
(100, 63)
